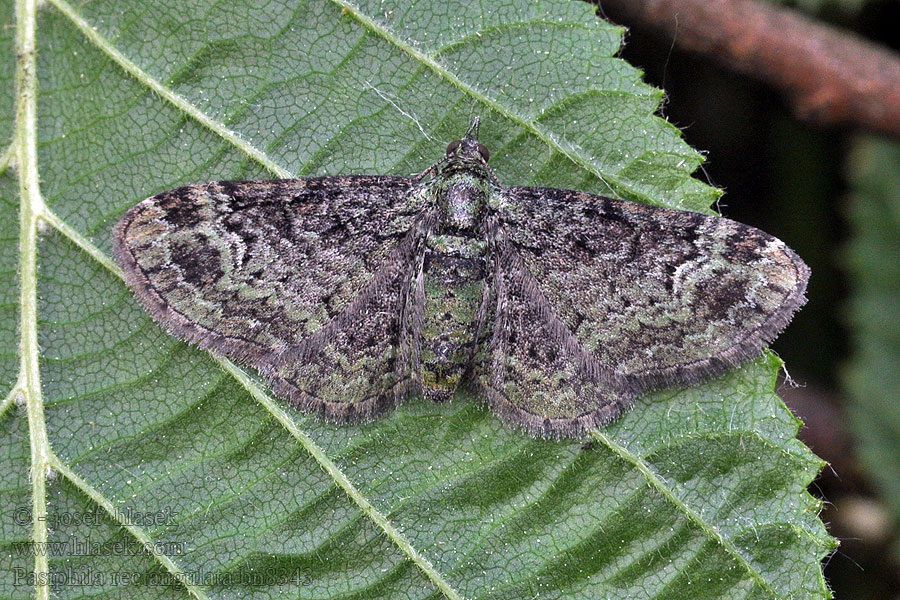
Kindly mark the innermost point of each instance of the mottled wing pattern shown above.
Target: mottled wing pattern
(658, 296)
(533, 371)
(254, 270)
(366, 360)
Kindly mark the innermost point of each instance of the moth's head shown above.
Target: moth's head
(468, 151)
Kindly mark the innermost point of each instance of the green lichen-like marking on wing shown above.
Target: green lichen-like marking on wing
(658, 296)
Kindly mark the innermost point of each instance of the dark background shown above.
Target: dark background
(789, 178)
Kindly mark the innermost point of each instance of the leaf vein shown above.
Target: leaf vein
(137, 532)
(445, 73)
(167, 94)
(657, 483)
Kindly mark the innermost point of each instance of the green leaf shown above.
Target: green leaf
(872, 377)
(181, 472)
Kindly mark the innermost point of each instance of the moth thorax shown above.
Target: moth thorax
(464, 199)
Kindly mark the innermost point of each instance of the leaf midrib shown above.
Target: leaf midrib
(262, 158)
(308, 444)
(30, 206)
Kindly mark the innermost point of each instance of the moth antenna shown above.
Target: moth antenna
(472, 133)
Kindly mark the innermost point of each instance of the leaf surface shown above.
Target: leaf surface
(201, 483)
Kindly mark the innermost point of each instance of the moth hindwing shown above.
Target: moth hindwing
(352, 294)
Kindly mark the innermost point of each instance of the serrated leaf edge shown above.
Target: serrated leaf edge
(27, 159)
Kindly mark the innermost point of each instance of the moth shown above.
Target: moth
(353, 294)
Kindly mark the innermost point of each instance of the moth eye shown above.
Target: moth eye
(483, 151)
(451, 148)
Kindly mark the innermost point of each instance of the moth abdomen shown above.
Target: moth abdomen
(454, 275)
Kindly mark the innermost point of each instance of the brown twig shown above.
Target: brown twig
(831, 76)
